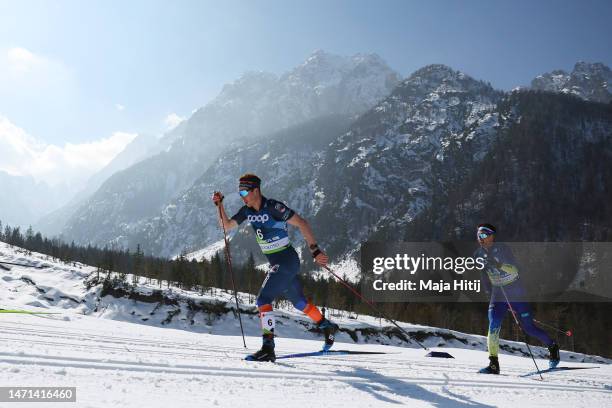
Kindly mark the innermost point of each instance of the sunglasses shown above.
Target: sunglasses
(244, 193)
(483, 234)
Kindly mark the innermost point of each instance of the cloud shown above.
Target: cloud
(119, 107)
(21, 60)
(172, 121)
(21, 67)
(22, 154)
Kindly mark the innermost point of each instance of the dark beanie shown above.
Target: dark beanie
(249, 181)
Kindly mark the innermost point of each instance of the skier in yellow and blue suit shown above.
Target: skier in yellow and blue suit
(507, 293)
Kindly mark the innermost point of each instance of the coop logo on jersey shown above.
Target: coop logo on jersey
(258, 218)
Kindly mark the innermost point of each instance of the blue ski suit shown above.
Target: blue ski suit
(502, 281)
(270, 226)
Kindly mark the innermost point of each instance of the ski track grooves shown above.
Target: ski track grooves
(296, 370)
(212, 352)
(83, 363)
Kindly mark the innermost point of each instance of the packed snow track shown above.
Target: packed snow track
(114, 363)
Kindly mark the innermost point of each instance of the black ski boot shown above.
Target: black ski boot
(266, 352)
(492, 368)
(329, 332)
(553, 357)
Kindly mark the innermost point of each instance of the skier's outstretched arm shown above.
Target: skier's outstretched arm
(318, 254)
(224, 221)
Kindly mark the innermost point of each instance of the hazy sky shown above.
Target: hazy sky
(100, 71)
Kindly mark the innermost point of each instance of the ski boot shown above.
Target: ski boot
(492, 368)
(553, 358)
(329, 331)
(266, 352)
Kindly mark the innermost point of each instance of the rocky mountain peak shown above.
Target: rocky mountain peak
(589, 81)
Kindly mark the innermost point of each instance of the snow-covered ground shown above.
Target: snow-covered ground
(115, 363)
(127, 352)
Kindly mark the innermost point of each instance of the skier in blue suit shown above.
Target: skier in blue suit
(269, 219)
(507, 293)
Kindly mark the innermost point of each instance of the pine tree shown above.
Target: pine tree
(138, 261)
(251, 275)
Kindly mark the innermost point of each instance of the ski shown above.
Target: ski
(552, 370)
(329, 353)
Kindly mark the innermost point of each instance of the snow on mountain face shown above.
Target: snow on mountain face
(551, 150)
(260, 103)
(380, 172)
(589, 81)
(339, 85)
(256, 104)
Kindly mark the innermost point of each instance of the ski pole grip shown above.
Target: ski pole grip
(220, 196)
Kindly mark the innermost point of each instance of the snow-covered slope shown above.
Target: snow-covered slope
(78, 289)
(139, 352)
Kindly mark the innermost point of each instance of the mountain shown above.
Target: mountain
(314, 167)
(543, 179)
(379, 173)
(288, 163)
(589, 81)
(25, 199)
(138, 149)
(255, 105)
(409, 168)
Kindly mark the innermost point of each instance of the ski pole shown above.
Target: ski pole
(524, 332)
(377, 310)
(567, 333)
(228, 257)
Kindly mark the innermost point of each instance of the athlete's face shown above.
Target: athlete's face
(485, 240)
(252, 198)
